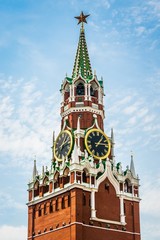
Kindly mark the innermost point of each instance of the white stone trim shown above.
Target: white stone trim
(107, 221)
(82, 109)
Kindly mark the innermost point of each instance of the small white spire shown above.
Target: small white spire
(42, 171)
(132, 169)
(35, 172)
(53, 137)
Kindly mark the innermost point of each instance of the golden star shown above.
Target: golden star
(82, 18)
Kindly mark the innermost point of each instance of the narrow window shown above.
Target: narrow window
(57, 205)
(69, 201)
(45, 212)
(91, 91)
(63, 203)
(50, 207)
(39, 212)
(84, 199)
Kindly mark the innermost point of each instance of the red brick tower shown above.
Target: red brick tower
(86, 194)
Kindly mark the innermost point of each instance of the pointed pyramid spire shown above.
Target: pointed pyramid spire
(132, 169)
(35, 172)
(82, 64)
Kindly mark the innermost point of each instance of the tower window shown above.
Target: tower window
(91, 91)
(51, 208)
(80, 89)
(45, 212)
(39, 212)
(63, 203)
(69, 201)
(57, 205)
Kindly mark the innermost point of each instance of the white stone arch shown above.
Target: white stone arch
(108, 173)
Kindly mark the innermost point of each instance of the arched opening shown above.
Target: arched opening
(80, 89)
(127, 186)
(56, 180)
(85, 176)
(66, 178)
(39, 211)
(66, 92)
(46, 185)
(92, 91)
(36, 189)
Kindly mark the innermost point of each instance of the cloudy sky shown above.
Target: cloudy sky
(38, 41)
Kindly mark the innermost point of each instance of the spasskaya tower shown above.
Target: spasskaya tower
(85, 194)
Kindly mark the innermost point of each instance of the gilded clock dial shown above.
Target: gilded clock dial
(97, 143)
(63, 145)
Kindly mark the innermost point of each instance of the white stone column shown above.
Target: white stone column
(32, 194)
(86, 91)
(99, 95)
(90, 180)
(70, 93)
(93, 211)
(73, 93)
(62, 103)
(122, 216)
(89, 92)
(133, 190)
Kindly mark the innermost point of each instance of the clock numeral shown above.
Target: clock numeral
(97, 133)
(88, 141)
(93, 151)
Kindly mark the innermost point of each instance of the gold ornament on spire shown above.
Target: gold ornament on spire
(82, 18)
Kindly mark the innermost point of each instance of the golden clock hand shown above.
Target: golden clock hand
(99, 141)
(103, 144)
(63, 142)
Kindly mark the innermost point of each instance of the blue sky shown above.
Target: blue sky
(38, 41)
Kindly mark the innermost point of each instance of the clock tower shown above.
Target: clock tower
(85, 194)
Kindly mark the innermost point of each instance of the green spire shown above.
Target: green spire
(82, 64)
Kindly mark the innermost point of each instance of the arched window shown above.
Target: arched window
(46, 185)
(92, 91)
(36, 189)
(128, 186)
(85, 175)
(80, 89)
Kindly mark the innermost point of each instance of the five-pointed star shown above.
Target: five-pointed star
(82, 18)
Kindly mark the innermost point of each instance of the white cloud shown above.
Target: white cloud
(7, 201)
(150, 194)
(27, 120)
(12, 232)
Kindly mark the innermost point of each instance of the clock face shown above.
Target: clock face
(63, 145)
(97, 143)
